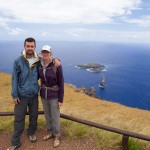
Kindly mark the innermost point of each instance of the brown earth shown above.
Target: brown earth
(66, 144)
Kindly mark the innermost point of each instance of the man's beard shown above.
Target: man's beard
(29, 52)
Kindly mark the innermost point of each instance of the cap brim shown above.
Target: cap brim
(46, 50)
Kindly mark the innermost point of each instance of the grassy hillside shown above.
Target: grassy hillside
(88, 108)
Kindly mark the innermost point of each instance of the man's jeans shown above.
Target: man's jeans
(20, 111)
(52, 115)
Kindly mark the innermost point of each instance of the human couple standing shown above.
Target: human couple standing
(27, 69)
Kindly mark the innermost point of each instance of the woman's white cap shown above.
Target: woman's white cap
(46, 48)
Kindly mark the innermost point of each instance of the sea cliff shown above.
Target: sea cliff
(85, 107)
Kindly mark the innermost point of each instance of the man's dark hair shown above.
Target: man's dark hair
(30, 39)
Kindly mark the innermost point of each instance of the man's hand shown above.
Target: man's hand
(59, 105)
(16, 101)
(56, 62)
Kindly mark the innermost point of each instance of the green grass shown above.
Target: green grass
(76, 131)
(41, 122)
(103, 137)
(73, 130)
(87, 108)
(6, 123)
(134, 145)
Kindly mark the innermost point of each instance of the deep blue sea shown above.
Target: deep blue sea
(127, 71)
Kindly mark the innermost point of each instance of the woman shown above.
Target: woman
(52, 93)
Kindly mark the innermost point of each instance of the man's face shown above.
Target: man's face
(29, 48)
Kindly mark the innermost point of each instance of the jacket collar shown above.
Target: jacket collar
(42, 62)
(35, 55)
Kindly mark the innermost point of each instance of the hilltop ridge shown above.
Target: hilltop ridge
(85, 107)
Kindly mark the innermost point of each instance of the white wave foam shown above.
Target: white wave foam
(89, 70)
(77, 67)
(104, 70)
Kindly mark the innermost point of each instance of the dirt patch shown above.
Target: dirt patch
(66, 144)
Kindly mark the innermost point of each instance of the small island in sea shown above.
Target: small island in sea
(92, 67)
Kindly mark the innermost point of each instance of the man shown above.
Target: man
(25, 90)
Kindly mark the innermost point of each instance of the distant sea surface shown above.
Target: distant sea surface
(127, 71)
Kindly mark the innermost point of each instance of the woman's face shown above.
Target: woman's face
(46, 55)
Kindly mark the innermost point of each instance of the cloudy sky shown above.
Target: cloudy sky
(76, 20)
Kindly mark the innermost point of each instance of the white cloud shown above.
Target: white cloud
(82, 34)
(109, 35)
(44, 34)
(66, 11)
(9, 30)
(14, 14)
(14, 31)
(143, 21)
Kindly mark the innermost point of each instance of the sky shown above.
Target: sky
(76, 20)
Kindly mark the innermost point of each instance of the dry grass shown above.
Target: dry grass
(88, 108)
(104, 112)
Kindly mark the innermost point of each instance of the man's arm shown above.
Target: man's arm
(56, 62)
(15, 77)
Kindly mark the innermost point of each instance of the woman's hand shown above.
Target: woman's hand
(59, 105)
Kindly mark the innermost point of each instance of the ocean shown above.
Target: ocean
(126, 70)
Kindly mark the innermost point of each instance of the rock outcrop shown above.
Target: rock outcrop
(92, 67)
(90, 92)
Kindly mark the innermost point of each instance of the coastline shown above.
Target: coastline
(90, 108)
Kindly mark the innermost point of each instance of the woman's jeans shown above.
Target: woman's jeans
(52, 115)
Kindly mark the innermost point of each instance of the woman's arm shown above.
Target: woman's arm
(60, 80)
